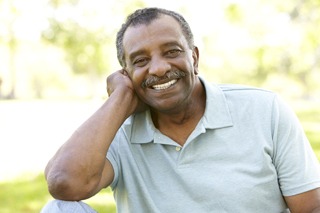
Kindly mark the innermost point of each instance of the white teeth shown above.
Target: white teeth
(165, 85)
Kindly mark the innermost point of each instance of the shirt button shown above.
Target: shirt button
(178, 148)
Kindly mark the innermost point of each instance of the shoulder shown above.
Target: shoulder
(245, 89)
(235, 89)
(260, 101)
(239, 96)
(244, 93)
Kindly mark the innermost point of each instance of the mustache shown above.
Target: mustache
(152, 80)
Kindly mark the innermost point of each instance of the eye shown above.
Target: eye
(173, 53)
(140, 62)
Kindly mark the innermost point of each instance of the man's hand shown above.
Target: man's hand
(81, 160)
(120, 82)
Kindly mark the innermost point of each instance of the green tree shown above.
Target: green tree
(85, 34)
(263, 40)
(84, 47)
(9, 39)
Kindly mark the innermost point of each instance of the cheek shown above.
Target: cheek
(137, 78)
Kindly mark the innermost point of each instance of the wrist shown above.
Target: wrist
(124, 101)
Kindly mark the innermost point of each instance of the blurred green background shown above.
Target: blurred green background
(56, 54)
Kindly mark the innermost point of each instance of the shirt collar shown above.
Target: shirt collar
(217, 114)
(140, 129)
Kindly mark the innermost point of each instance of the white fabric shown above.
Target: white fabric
(60, 206)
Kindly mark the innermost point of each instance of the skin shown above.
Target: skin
(81, 160)
(150, 50)
(176, 110)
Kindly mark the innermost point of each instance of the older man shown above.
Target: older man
(175, 143)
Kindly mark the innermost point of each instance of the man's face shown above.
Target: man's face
(155, 50)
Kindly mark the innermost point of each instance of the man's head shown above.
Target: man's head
(146, 16)
(160, 59)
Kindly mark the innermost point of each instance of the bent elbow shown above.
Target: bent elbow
(62, 187)
(59, 188)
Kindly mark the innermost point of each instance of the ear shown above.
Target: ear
(195, 56)
(127, 71)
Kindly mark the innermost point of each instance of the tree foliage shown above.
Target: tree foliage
(84, 47)
(263, 39)
(85, 38)
(255, 42)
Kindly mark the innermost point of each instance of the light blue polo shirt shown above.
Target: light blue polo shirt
(246, 152)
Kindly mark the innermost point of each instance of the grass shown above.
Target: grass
(28, 193)
(309, 115)
(23, 195)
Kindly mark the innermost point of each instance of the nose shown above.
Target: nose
(159, 66)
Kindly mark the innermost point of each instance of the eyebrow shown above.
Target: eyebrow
(136, 53)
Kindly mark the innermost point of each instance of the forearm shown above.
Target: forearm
(77, 166)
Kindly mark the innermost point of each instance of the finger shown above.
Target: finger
(124, 72)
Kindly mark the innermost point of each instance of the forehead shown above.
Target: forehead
(164, 29)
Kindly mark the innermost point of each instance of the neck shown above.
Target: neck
(179, 123)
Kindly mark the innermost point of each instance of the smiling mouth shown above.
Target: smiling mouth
(165, 85)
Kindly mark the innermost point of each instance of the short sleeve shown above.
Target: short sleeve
(113, 157)
(296, 164)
